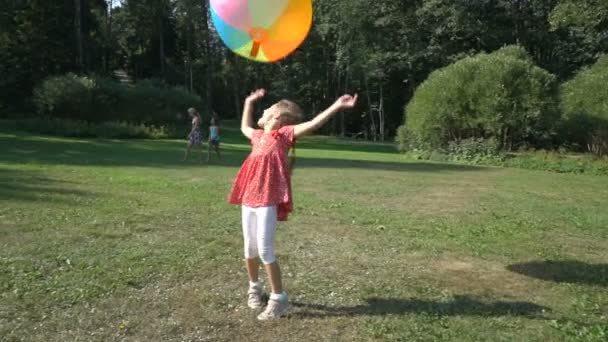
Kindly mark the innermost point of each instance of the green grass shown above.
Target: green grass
(106, 240)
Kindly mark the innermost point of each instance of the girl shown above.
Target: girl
(263, 189)
(194, 138)
(214, 139)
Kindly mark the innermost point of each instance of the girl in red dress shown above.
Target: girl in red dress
(263, 188)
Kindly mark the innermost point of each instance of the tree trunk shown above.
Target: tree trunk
(161, 36)
(188, 71)
(191, 76)
(106, 62)
(371, 110)
(342, 119)
(519, 8)
(381, 114)
(335, 120)
(78, 28)
(208, 56)
(505, 140)
(235, 85)
(327, 77)
(186, 80)
(599, 142)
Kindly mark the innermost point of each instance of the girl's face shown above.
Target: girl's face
(271, 118)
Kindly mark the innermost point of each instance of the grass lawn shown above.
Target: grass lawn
(105, 240)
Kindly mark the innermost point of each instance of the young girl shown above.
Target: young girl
(194, 138)
(214, 139)
(263, 189)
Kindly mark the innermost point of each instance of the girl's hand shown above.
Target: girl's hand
(256, 95)
(346, 101)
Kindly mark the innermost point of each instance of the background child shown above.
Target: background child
(194, 137)
(263, 189)
(214, 138)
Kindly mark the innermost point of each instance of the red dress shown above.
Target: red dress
(264, 179)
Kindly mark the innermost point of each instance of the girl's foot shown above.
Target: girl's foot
(255, 297)
(276, 308)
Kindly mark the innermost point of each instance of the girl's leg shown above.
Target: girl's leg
(253, 266)
(187, 150)
(252, 261)
(274, 273)
(217, 150)
(267, 225)
(278, 304)
(208, 150)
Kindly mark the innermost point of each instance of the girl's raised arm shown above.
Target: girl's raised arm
(308, 127)
(247, 118)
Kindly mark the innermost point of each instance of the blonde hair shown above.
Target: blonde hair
(193, 111)
(292, 114)
(289, 111)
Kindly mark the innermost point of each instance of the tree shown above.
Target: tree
(585, 24)
(584, 101)
(502, 95)
(148, 37)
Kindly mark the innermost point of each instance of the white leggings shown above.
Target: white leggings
(259, 226)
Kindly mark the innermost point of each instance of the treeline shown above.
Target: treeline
(384, 50)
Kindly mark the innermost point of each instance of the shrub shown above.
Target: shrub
(101, 100)
(63, 95)
(584, 102)
(84, 129)
(559, 162)
(475, 151)
(502, 95)
(408, 141)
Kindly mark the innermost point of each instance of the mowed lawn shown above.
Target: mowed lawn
(104, 240)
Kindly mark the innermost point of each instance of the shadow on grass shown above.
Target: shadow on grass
(569, 271)
(24, 149)
(460, 305)
(30, 186)
(233, 135)
(381, 166)
(330, 143)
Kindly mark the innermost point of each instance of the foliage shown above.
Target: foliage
(558, 162)
(480, 152)
(383, 52)
(95, 100)
(70, 96)
(502, 95)
(409, 141)
(84, 129)
(475, 151)
(34, 44)
(584, 101)
(580, 14)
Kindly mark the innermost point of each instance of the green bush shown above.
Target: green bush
(502, 95)
(584, 102)
(475, 151)
(408, 141)
(559, 162)
(479, 152)
(101, 100)
(61, 96)
(84, 129)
